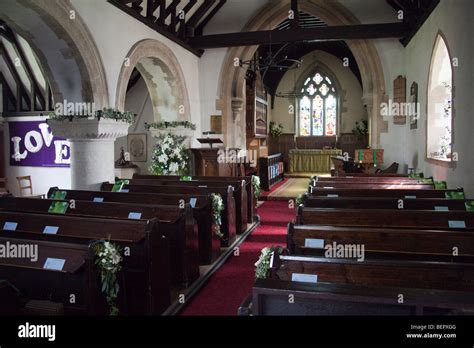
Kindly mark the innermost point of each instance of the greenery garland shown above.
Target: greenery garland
(107, 113)
(217, 208)
(256, 186)
(263, 263)
(174, 124)
(108, 260)
(299, 200)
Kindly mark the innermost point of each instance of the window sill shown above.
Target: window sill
(447, 163)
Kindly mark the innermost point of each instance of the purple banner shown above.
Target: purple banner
(33, 145)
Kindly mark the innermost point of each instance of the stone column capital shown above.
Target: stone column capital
(89, 129)
(237, 104)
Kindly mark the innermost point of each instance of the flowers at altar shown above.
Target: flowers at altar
(170, 156)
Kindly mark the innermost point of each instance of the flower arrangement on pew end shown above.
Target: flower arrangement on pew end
(256, 186)
(109, 262)
(170, 156)
(263, 264)
(217, 209)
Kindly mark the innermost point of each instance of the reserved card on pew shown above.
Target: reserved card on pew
(332, 196)
(304, 278)
(314, 243)
(10, 226)
(441, 208)
(125, 190)
(193, 201)
(54, 264)
(410, 197)
(328, 187)
(457, 224)
(51, 230)
(98, 200)
(135, 216)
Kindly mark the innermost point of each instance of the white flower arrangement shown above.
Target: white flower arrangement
(170, 156)
(217, 208)
(256, 186)
(109, 262)
(263, 263)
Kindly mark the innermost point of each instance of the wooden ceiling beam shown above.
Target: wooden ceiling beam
(330, 33)
(200, 28)
(200, 12)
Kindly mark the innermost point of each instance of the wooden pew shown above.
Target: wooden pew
(397, 193)
(248, 186)
(396, 273)
(209, 242)
(145, 280)
(240, 194)
(9, 299)
(228, 216)
(270, 297)
(176, 224)
(461, 220)
(369, 179)
(389, 243)
(370, 186)
(78, 277)
(383, 203)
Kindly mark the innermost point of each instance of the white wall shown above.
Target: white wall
(42, 177)
(453, 18)
(115, 33)
(350, 92)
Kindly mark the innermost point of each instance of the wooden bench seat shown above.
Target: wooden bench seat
(370, 186)
(388, 243)
(248, 186)
(240, 194)
(78, 276)
(146, 278)
(270, 298)
(176, 224)
(461, 220)
(395, 193)
(209, 242)
(369, 180)
(395, 273)
(227, 193)
(383, 203)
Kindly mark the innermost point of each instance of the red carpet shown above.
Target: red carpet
(232, 283)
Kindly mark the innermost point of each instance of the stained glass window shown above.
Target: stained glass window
(318, 107)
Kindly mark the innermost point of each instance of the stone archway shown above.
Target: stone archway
(232, 83)
(64, 46)
(157, 64)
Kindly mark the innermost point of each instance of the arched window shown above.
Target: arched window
(318, 107)
(439, 103)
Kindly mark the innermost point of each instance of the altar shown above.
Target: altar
(311, 160)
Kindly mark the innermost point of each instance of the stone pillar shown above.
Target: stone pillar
(368, 101)
(237, 128)
(92, 149)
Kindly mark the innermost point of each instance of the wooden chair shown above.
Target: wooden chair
(28, 186)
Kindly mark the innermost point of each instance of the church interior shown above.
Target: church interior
(236, 158)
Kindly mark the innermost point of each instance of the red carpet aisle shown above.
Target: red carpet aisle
(229, 286)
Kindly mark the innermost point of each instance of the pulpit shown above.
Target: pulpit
(212, 162)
